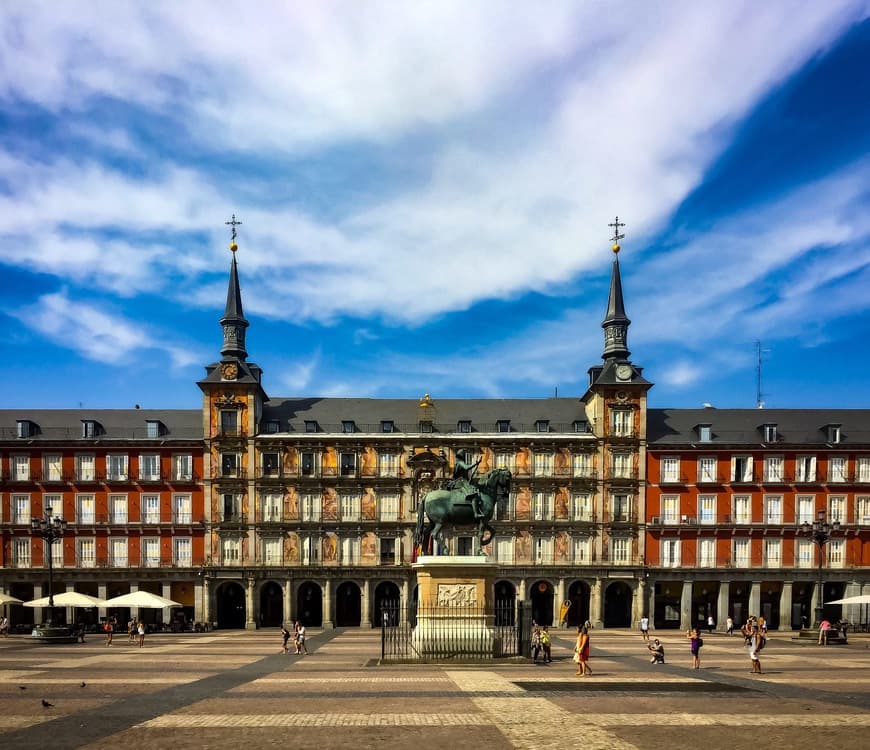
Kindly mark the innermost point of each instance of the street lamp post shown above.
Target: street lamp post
(50, 529)
(821, 532)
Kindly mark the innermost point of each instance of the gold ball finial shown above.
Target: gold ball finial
(233, 247)
(616, 247)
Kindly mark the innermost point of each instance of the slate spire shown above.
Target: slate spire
(616, 323)
(233, 321)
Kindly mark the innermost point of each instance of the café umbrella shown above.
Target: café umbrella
(143, 599)
(6, 599)
(67, 599)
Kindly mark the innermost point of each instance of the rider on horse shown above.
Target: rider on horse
(463, 472)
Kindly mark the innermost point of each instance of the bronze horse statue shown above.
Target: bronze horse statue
(444, 506)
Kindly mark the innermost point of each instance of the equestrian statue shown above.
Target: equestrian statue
(464, 500)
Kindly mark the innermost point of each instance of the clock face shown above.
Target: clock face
(623, 372)
(229, 371)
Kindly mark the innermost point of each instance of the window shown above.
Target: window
(182, 510)
(310, 425)
(773, 509)
(504, 461)
(622, 465)
(581, 506)
(542, 506)
(741, 468)
(769, 433)
(118, 509)
(742, 509)
(55, 502)
(707, 469)
(272, 551)
(862, 509)
(837, 469)
(388, 464)
(118, 553)
(348, 426)
(503, 425)
(231, 551)
(670, 509)
(670, 469)
(542, 464)
(89, 429)
(707, 509)
(20, 468)
(542, 425)
(270, 464)
(862, 470)
(21, 552)
(21, 509)
(309, 464)
(25, 428)
(150, 508)
(836, 553)
(705, 433)
(389, 507)
(182, 467)
(837, 508)
(805, 469)
(773, 553)
(230, 465)
(85, 510)
(582, 550)
(833, 433)
(581, 426)
(806, 508)
(86, 552)
(272, 502)
(773, 468)
(621, 508)
(310, 505)
(581, 464)
(741, 553)
(707, 553)
(348, 464)
(620, 423)
(350, 550)
(544, 550)
(387, 425)
(151, 552)
(387, 551)
(804, 553)
(181, 552)
(51, 467)
(504, 550)
(271, 426)
(116, 467)
(149, 467)
(232, 507)
(464, 425)
(670, 553)
(350, 506)
(310, 551)
(619, 551)
(426, 426)
(56, 550)
(86, 467)
(229, 422)
(153, 428)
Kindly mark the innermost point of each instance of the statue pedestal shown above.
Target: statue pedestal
(455, 612)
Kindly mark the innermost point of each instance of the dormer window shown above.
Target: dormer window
(153, 428)
(26, 428)
(542, 425)
(89, 429)
(769, 432)
(348, 426)
(503, 425)
(705, 433)
(426, 426)
(581, 426)
(271, 426)
(464, 425)
(310, 425)
(387, 425)
(833, 433)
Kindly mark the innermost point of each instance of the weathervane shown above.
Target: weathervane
(233, 223)
(616, 224)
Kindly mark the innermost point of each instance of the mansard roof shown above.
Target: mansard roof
(52, 425)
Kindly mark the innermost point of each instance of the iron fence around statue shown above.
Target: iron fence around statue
(468, 633)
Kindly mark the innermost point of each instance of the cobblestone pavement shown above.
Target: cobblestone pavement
(223, 689)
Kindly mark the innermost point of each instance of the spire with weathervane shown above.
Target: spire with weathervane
(233, 321)
(615, 323)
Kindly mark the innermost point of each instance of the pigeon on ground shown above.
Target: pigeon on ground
(46, 704)
(82, 685)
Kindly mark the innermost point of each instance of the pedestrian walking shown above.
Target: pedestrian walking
(695, 643)
(301, 638)
(711, 623)
(729, 625)
(644, 627)
(581, 651)
(140, 630)
(285, 635)
(131, 630)
(108, 630)
(756, 643)
(536, 643)
(546, 645)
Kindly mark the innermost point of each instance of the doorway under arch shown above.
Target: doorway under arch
(230, 606)
(578, 612)
(505, 603)
(271, 605)
(348, 605)
(617, 606)
(309, 605)
(542, 602)
(386, 593)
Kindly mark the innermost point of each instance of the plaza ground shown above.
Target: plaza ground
(234, 688)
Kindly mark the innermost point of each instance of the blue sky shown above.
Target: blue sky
(425, 190)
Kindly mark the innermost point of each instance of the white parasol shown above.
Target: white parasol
(67, 599)
(140, 599)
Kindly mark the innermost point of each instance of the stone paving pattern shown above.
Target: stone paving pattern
(226, 689)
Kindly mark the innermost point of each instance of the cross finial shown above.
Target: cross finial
(616, 224)
(233, 223)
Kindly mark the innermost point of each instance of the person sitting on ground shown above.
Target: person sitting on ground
(658, 652)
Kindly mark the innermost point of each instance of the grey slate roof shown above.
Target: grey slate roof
(116, 424)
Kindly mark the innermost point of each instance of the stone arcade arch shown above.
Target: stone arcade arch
(505, 603)
(386, 592)
(309, 605)
(348, 605)
(542, 602)
(230, 600)
(271, 605)
(579, 593)
(617, 605)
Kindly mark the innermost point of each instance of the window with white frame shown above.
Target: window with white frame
(503, 460)
(350, 506)
(542, 464)
(581, 464)
(620, 423)
(181, 552)
(150, 508)
(834, 433)
(20, 509)
(231, 551)
(705, 433)
(272, 551)
(772, 553)
(182, 467)
(742, 557)
(707, 553)
(52, 467)
(670, 553)
(582, 550)
(621, 507)
(117, 509)
(581, 506)
(20, 470)
(310, 505)
(272, 502)
(182, 508)
(56, 550)
(86, 552)
(670, 509)
(805, 506)
(742, 509)
(310, 550)
(504, 549)
(149, 467)
(86, 467)
(20, 552)
(152, 428)
(309, 464)
(544, 550)
(707, 509)
(741, 468)
(707, 469)
(773, 509)
(622, 464)
(347, 464)
(804, 552)
(86, 510)
(116, 467)
(620, 549)
(388, 464)
(805, 469)
(118, 553)
(837, 508)
(862, 469)
(670, 469)
(542, 506)
(773, 468)
(388, 506)
(838, 469)
(862, 510)
(151, 552)
(769, 432)
(232, 507)
(350, 550)
(836, 553)
(55, 502)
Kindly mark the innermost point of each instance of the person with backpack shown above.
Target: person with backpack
(695, 643)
